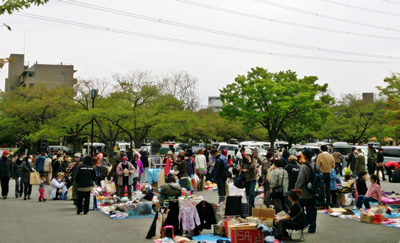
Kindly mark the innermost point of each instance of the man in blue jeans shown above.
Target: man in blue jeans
(221, 164)
(308, 199)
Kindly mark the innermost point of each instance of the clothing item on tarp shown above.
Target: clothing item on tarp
(189, 217)
(152, 175)
(172, 218)
(233, 205)
(161, 178)
(161, 217)
(207, 216)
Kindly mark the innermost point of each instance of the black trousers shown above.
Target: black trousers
(81, 196)
(389, 172)
(19, 186)
(339, 169)
(283, 225)
(327, 186)
(27, 189)
(4, 185)
(371, 170)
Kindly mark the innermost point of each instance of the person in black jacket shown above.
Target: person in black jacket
(85, 177)
(5, 173)
(379, 164)
(56, 165)
(16, 174)
(293, 169)
(351, 160)
(183, 171)
(361, 185)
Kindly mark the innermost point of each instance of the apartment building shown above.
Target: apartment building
(20, 74)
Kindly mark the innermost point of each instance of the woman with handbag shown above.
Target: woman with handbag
(201, 165)
(249, 173)
(26, 168)
(279, 186)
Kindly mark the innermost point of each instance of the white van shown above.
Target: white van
(97, 147)
(231, 149)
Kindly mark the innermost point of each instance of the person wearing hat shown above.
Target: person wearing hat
(249, 170)
(5, 173)
(170, 190)
(85, 178)
(308, 199)
(125, 172)
(168, 162)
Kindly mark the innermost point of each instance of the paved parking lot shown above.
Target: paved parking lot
(56, 221)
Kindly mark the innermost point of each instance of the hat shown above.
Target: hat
(5, 152)
(248, 151)
(125, 158)
(170, 176)
(292, 157)
(170, 152)
(308, 153)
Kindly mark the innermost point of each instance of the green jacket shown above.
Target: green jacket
(372, 158)
(170, 191)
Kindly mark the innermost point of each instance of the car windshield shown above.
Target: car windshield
(230, 148)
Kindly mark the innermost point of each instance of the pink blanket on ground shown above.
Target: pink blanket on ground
(386, 200)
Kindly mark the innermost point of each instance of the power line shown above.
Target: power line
(96, 27)
(361, 8)
(285, 22)
(326, 16)
(218, 32)
(389, 1)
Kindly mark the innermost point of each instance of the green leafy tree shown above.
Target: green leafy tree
(11, 6)
(273, 100)
(354, 120)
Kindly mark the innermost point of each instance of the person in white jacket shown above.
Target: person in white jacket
(201, 167)
(57, 188)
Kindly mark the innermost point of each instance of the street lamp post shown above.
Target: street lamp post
(93, 96)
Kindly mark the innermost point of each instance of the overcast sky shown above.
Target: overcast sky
(99, 53)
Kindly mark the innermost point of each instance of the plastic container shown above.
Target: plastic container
(269, 239)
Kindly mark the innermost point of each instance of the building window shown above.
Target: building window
(31, 85)
(31, 75)
(63, 75)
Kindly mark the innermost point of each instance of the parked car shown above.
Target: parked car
(61, 148)
(231, 149)
(391, 153)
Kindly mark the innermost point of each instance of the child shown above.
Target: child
(230, 161)
(41, 189)
(334, 180)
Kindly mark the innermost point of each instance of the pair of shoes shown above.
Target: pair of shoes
(29, 197)
(24, 198)
(78, 212)
(44, 199)
(4, 197)
(85, 212)
(16, 196)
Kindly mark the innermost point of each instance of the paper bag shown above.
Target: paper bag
(34, 178)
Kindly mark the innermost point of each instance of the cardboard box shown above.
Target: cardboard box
(243, 235)
(227, 225)
(263, 213)
(367, 218)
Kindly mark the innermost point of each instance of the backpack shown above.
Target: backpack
(315, 182)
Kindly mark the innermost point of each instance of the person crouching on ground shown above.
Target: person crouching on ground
(85, 178)
(170, 190)
(293, 220)
(56, 187)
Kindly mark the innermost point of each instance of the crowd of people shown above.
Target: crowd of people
(285, 178)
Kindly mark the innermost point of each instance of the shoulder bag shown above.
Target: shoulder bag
(201, 171)
(239, 181)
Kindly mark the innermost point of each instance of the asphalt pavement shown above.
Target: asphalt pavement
(57, 221)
